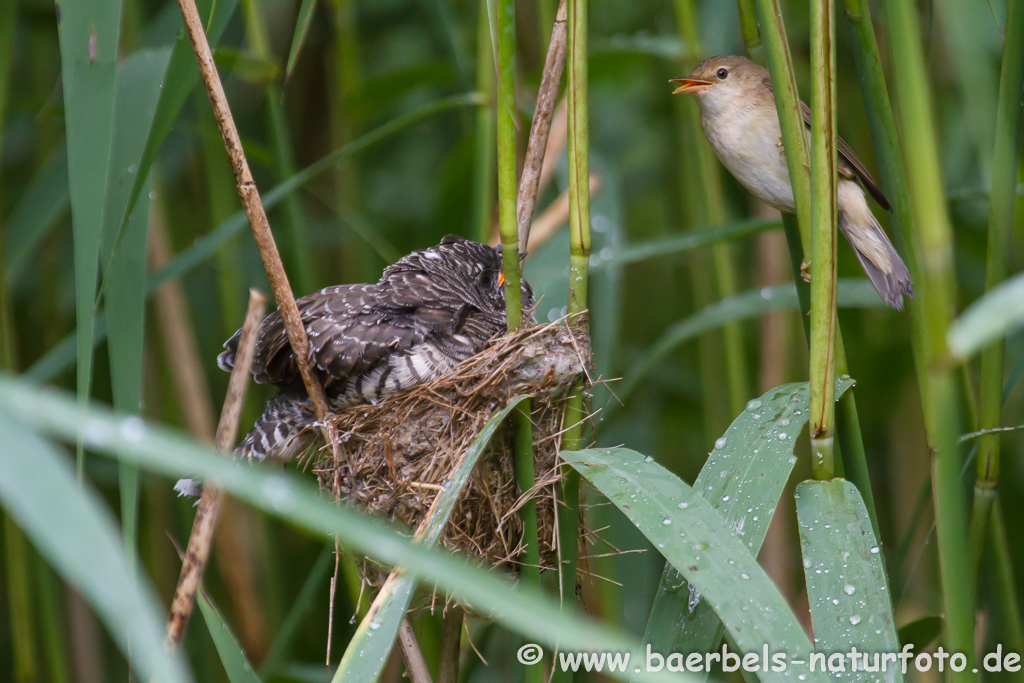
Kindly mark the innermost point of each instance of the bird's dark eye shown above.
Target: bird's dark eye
(722, 74)
(486, 279)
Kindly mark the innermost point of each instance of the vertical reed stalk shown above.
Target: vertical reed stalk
(938, 285)
(508, 228)
(579, 256)
(1011, 630)
(823, 239)
(703, 189)
(1001, 208)
(483, 164)
(787, 104)
(750, 31)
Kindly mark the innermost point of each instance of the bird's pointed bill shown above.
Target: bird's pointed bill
(689, 85)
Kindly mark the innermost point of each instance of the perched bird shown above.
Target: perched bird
(738, 116)
(430, 311)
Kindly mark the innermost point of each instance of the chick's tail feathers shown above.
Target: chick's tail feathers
(878, 257)
(285, 430)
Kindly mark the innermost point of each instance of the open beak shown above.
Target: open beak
(689, 85)
(501, 279)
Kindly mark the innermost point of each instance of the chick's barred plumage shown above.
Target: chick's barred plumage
(429, 312)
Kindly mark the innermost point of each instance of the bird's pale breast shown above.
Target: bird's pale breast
(749, 146)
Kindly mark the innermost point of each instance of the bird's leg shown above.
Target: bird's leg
(805, 271)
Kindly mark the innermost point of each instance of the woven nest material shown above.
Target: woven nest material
(393, 457)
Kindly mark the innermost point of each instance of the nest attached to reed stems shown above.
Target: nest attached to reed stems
(393, 457)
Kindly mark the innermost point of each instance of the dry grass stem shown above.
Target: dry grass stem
(536, 150)
(254, 211)
(198, 549)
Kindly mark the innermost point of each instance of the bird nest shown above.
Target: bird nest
(393, 457)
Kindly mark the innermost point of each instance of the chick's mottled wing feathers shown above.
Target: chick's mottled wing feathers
(351, 329)
(852, 167)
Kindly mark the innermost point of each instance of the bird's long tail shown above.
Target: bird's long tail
(284, 430)
(880, 260)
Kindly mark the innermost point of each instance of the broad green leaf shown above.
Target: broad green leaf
(138, 87)
(521, 609)
(852, 293)
(988, 319)
(62, 355)
(743, 479)
(920, 633)
(705, 549)
(232, 657)
(306, 9)
(368, 651)
(89, 34)
(37, 212)
(70, 526)
(846, 584)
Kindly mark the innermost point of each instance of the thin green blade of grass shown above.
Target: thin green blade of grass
(520, 609)
(852, 293)
(846, 584)
(36, 214)
(62, 355)
(302, 24)
(70, 525)
(299, 607)
(705, 549)
(136, 93)
(680, 243)
(368, 651)
(232, 657)
(179, 79)
(743, 480)
(88, 34)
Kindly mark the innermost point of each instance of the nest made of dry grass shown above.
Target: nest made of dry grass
(393, 457)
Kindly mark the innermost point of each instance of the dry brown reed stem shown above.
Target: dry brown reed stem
(415, 665)
(536, 150)
(179, 340)
(250, 197)
(451, 637)
(233, 534)
(551, 219)
(198, 550)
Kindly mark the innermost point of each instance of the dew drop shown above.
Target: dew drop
(720, 442)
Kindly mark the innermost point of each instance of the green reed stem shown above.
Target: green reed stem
(823, 239)
(579, 256)
(1011, 628)
(787, 103)
(17, 556)
(937, 284)
(529, 568)
(703, 191)
(506, 36)
(483, 165)
(749, 30)
(1001, 209)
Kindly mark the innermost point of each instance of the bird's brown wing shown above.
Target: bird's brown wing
(351, 328)
(851, 167)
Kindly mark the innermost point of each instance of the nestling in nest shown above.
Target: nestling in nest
(394, 456)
